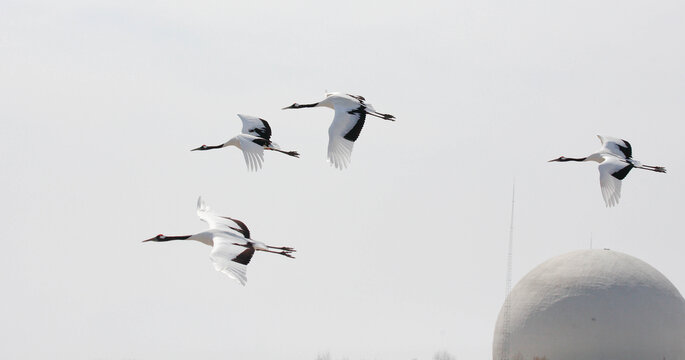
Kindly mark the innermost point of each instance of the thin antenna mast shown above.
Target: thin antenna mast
(511, 242)
(507, 305)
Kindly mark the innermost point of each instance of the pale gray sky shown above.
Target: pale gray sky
(399, 256)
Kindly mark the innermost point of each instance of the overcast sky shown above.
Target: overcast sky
(401, 255)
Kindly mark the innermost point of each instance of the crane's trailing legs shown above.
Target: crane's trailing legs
(291, 153)
(289, 249)
(286, 251)
(660, 169)
(366, 110)
(381, 116)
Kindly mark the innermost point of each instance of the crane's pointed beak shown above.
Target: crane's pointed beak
(553, 160)
(198, 148)
(293, 106)
(150, 239)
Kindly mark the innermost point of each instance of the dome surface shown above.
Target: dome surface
(593, 305)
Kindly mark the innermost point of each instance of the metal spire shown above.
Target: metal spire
(507, 306)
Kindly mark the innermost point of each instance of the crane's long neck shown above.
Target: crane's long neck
(210, 147)
(596, 157)
(299, 106)
(169, 238)
(214, 147)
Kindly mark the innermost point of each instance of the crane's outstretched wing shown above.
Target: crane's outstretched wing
(618, 147)
(253, 150)
(253, 125)
(231, 259)
(212, 219)
(611, 171)
(343, 132)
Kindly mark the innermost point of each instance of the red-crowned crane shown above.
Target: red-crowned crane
(232, 247)
(254, 139)
(350, 114)
(615, 160)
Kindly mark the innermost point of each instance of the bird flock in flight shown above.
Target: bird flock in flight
(230, 239)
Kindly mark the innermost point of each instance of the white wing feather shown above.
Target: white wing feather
(224, 239)
(250, 123)
(611, 186)
(339, 148)
(222, 254)
(215, 221)
(253, 153)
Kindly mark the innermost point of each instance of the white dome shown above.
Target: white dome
(594, 305)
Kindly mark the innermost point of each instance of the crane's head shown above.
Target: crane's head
(560, 158)
(203, 147)
(159, 237)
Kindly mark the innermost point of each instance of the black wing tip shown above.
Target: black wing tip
(243, 229)
(245, 256)
(353, 134)
(358, 97)
(621, 174)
